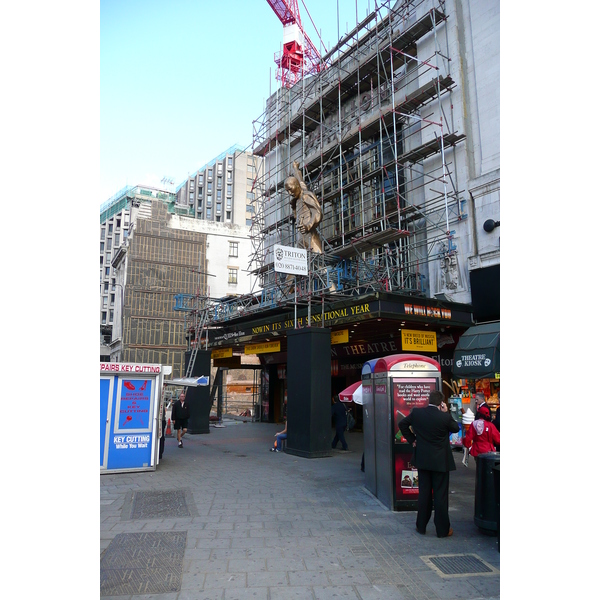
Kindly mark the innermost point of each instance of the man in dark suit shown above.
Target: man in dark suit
(428, 430)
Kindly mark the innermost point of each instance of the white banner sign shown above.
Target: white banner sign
(290, 260)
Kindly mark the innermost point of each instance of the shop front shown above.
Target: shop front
(362, 328)
(476, 363)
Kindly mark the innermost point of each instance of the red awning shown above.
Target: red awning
(352, 393)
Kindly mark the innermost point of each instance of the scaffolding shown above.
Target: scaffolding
(374, 135)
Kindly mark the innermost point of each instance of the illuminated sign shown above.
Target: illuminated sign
(262, 348)
(424, 341)
(339, 337)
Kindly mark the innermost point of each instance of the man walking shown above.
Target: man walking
(181, 414)
(338, 412)
(433, 458)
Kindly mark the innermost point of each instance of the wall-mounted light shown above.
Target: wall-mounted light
(490, 225)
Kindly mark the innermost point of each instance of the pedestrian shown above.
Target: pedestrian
(338, 412)
(433, 458)
(482, 435)
(181, 414)
(161, 444)
(496, 422)
(279, 437)
(480, 401)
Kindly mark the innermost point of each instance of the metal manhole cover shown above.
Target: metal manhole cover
(157, 505)
(143, 563)
(459, 565)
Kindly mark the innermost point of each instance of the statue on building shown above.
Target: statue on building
(307, 211)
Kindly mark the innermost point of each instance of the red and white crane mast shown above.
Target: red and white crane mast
(299, 56)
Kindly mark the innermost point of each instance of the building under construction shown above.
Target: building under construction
(158, 259)
(397, 134)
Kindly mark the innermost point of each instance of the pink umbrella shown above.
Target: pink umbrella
(352, 393)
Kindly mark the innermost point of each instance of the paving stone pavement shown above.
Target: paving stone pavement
(272, 526)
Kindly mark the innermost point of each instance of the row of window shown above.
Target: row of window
(111, 316)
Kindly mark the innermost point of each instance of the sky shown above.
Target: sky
(182, 81)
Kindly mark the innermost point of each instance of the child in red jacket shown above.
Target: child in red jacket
(482, 435)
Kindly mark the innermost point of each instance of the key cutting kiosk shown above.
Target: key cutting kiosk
(401, 382)
(130, 416)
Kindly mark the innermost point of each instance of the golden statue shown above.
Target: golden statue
(307, 211)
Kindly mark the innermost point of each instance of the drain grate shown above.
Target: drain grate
(158, 505)
(143, 563)
(452, 565)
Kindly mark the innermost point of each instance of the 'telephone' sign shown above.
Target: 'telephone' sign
(424, 341)
(290, 260)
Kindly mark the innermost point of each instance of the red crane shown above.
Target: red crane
(299, 56)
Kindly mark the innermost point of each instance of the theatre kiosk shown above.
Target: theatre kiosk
(401, 382)
(130, 397)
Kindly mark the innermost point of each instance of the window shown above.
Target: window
(229, 189)
(209, 201)
(101, 260)
(103, 317)
(249, 222)
(104, 301)
(101, 246)
(110, 228)
(233, 248)
(118, 223)
(218, 212)
(228, 202)
(250, 195)
(219, 168)
(230, 161)
(219, 182)
(209, 187)
(218, 218)
(250, 168)
(107, 271)
(250, 181)
(113, 284)
(201, 179)
(106, 287)
(229, 175)
(228, 215)
(103, 233)
(108, 257)
(200, 190)
(219, 193)
(109, 244)
(210, 173)
(112, 299)
(249, 208)
(232, 275)
(117, 239)
(209, 213)
(111, 315)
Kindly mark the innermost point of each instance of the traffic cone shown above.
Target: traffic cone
(169, 432)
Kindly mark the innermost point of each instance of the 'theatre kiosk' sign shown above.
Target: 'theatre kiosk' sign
(290, 260)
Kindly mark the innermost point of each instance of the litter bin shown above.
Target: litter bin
(486, 517)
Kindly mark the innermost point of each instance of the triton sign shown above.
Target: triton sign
(290, 260)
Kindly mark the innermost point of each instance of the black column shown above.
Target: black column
(199, 397)
(309, 392)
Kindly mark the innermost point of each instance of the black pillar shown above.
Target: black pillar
(199, 397)
(309, 392)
